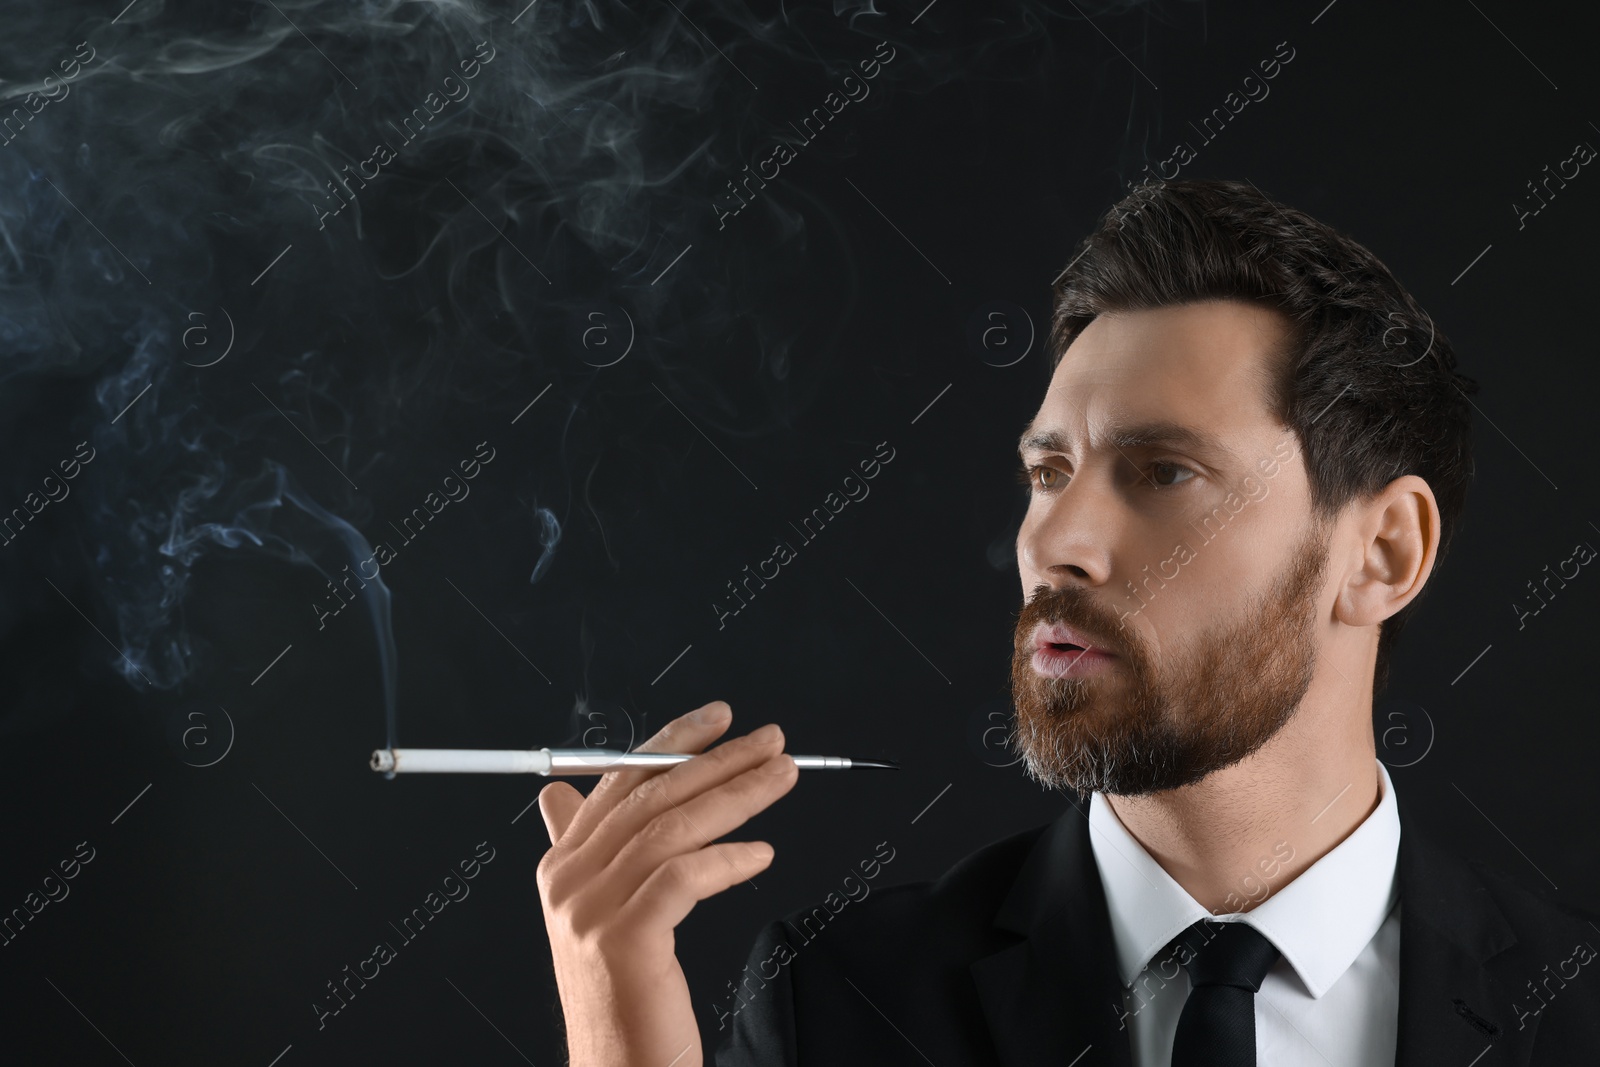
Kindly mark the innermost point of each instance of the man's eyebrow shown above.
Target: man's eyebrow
(1126, 436)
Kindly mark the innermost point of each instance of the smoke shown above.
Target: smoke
(241, 240)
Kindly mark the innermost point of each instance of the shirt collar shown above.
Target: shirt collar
(1320, 922)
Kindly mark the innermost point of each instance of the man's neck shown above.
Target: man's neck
(1243, 833)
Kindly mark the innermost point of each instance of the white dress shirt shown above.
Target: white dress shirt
(1333, 997)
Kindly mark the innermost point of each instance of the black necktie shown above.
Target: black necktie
(1227, 964)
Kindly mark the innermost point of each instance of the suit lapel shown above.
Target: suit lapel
(1456, 1002)
(1054, 994)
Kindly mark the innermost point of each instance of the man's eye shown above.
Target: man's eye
(1038, 476)
(1162, 474)
(1164, 465)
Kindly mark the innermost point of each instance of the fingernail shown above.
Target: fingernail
(766, 734)
(712, 714)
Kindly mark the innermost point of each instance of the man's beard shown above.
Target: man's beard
(1146, 723)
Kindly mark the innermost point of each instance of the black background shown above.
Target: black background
(833, 314)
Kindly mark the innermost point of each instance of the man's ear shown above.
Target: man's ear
(1399, 531)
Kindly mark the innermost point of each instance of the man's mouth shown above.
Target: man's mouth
(1066, 660)
(1059, 651)
(1062, 638)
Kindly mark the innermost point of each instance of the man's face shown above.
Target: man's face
(1191, 568)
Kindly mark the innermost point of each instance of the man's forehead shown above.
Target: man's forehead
(1220, 342)
(1193, 376)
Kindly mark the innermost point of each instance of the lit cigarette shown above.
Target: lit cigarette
(560, 761)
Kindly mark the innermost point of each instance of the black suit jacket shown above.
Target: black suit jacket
(1007, 959)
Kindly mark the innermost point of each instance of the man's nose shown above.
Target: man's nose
(1069, 536)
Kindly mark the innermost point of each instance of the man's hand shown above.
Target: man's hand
(628, 863)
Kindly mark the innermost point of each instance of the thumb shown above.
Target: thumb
(558, 803)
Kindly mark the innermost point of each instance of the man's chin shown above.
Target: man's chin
(1094, 708)
(1088, 748)
(1084, 773)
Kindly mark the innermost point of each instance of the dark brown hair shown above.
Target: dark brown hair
(1368, 384)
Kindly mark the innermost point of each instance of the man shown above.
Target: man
(1253, 452)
